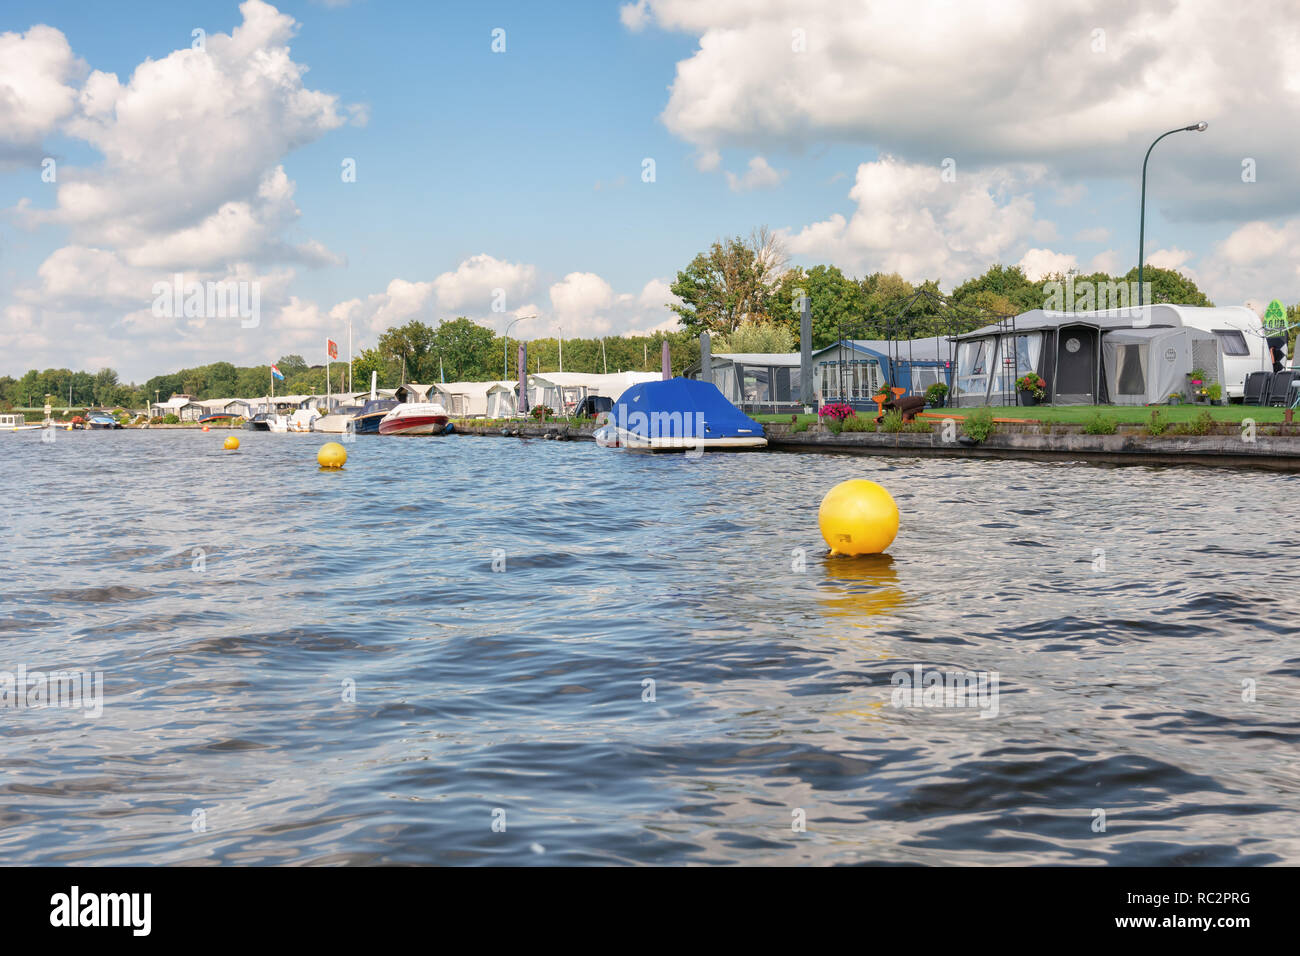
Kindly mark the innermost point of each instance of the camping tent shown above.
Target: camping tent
(1146, 366)
(854, 370)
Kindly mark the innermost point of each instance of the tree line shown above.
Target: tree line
(741, 290)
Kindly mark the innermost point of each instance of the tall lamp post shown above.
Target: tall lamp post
(505, 347)
(1142, 222)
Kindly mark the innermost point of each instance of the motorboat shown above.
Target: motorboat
(366, 421)
(261, 422)
(338, 421)
(102, 420)
(16, 423)
(414, 418)
(302, 420)
(678, 414)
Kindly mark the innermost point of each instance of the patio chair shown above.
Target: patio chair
(1279, 390)
(1256, 388)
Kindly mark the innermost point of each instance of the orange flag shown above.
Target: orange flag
(332, 347)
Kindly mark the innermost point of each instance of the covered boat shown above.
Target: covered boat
(414, 418)
(679, 414)
(338, 421)
(102, 420)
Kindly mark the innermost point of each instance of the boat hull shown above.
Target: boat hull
(414, 425)
(367, 424)
(627, 439)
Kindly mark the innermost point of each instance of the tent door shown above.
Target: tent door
(1076, 366)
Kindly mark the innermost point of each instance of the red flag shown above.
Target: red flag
(332, 347)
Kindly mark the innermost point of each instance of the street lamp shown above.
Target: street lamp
(505, 347)
(1194, 128)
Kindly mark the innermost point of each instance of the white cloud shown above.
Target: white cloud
(758, 175)
(910, 220)
(1097, 234)
(37, 73)
(473, 286)
(1107, 262)
(1003, 81)
(1256, 261)
(165, 195)
(1037, 264)
(635, 16)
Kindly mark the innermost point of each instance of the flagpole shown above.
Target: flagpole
(349, 355)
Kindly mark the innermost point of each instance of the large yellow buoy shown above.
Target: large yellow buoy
(331, 455)
(858, 517)
(231, 443)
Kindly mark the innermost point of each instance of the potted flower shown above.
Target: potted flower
(936, 395)
(1200, 388)
(836, 411)
(1032, 388)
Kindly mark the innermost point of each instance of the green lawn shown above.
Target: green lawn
(1079, 414)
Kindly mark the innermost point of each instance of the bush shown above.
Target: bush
(892, 422)
(1203, 424)
(917, 425)
(854, 424)
(542, 412)
(978, 424)
(936, 394)
(1099, 424)
(1157, 426)
(171, 418)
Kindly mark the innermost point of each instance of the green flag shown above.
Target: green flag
(1275, 318)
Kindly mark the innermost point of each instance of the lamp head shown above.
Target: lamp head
(1200, 127)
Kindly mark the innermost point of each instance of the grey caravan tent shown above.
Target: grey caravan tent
(1146, 366)
(1064, 348)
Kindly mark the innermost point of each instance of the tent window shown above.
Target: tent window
(1232, 342)
(1131, 379)
(973, 379)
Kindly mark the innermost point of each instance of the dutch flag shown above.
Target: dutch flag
(277, 373)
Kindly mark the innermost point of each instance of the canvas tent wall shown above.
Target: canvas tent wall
(754, 381)
(474, 399)
(1062, 347)
(1146, 366)
(502, 400)
(853, 371)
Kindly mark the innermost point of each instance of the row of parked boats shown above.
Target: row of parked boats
(379, 416)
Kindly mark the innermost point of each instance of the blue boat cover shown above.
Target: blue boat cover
(678, 407)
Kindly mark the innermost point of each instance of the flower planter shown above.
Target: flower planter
(1027, 398)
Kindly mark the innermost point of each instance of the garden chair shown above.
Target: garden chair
(1256, 388)
(1279, 390)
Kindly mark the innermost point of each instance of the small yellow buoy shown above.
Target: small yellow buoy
(858, 517)
(231, 443)
(331, 455)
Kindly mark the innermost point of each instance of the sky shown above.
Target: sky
(360, 164)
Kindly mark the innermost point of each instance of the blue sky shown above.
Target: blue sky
(531, 160)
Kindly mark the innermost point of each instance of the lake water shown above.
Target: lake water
(497, 607)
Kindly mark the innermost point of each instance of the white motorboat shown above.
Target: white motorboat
(414, 418)
(16, 423)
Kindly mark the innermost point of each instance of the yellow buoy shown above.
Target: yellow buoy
(231, 443)
(331, 455)
(858, 517)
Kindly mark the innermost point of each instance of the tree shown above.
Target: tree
(1169, 285)
(411, 345)
(734, 282)
(1003, 290)
(469, 351)
(291, 365)
(758, 337)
